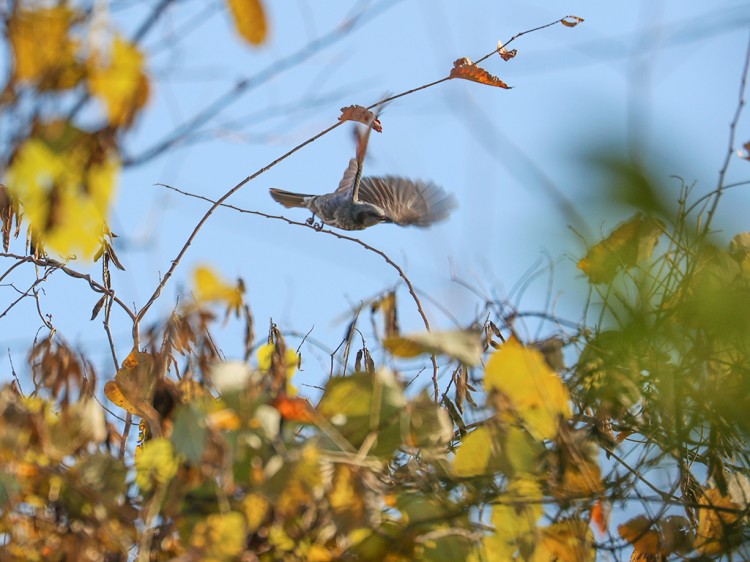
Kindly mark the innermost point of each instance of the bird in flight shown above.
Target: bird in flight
(361, 202)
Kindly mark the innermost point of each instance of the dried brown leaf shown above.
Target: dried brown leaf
(98, 306)
(387, 305)
(361, 115)
(505, 53)
(571, 21)
(467, 70)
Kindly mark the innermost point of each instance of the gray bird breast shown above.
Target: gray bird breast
(338, 209)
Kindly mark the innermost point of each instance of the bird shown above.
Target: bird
(361, 202)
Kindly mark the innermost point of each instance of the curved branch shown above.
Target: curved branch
(338, 235)
(215, 205)
(54, 264)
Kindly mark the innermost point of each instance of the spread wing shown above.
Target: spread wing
(406, 202)
(350, 176)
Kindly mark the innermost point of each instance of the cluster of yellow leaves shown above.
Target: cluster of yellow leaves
(62, 176)
(532, 407)
(219, 537)
(43, 48)
(47, 55)
(65, 179)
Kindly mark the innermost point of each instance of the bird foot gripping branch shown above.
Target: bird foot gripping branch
(360, 202)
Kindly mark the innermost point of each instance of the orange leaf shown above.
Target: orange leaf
(250, 20)
(641, 532)
(571, 21)
(361, 115)
(294, 409)
(134, 385)
(464, 68)
(600, 515)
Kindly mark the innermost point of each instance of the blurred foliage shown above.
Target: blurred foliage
(522, 454)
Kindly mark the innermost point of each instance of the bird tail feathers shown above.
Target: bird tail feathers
(288, 198)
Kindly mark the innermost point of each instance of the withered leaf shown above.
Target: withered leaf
(464, 68)
(505, 53)
(387, 305)
(98, 307)
(361, 115)
(571, 21)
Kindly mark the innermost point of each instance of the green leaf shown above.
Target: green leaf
(189, 434)
(8, 489)
(366, 406)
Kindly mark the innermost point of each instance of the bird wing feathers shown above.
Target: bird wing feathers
(350, 174)
(406, 202)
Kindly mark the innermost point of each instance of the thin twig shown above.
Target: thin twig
(732, 138)
(268, 73)
(215, 205)
(389, 261)
(54, 264)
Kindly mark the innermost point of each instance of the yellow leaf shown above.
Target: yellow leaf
(155, 464)
(569, 540)
(265, 355)
(714, 525)
(65, 178)
(120, 82)
(628, 244)
(220, 537)
(43, 50)
(210, 287)
(134, 384)
(255, 508)
(250, 20)
(489, 449)
(473, 456)
(347, 496)
(466, 346)
(300, 481)
(528, 387)
(387, 306)
(514, 517)
(112, 391)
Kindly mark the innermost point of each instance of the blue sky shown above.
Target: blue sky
(663, 73)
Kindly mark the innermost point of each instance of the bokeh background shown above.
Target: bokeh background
(657, 81)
